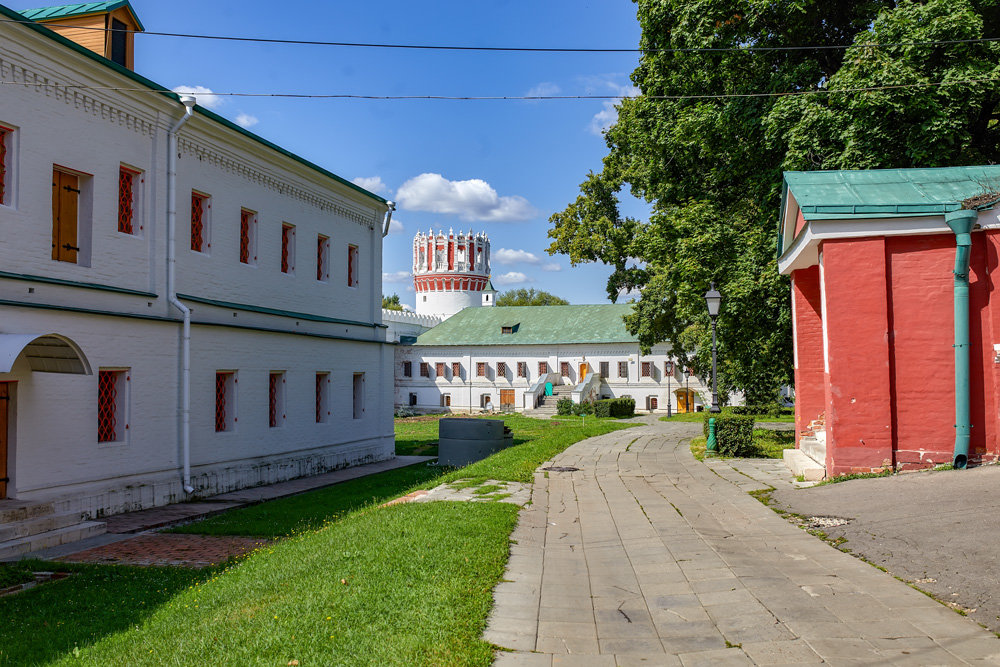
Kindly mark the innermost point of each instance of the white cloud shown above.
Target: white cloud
(608, 116)
(206, 97)
(246, 120)
(544, 89)
(473, 199)
(396, 227)
(397, 277)
(508, 256)
(512, 278)
(552, 267)
(371, 183)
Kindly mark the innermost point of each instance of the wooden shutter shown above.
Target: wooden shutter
(65, 209)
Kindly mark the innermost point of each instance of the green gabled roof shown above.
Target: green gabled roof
(79, 9)
(887, 193)
(489, 286)
(534, 325)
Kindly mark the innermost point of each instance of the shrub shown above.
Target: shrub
(564, 406)
(615, 407)
(733, 433)
(586, 408)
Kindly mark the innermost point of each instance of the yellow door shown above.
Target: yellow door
(507, 398)
(65, 199)
(584, 369)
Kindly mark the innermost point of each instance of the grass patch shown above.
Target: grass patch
(417, 436)
(402, 585)
(487, 489)
(888, 472)
(12, 574)
(700, 417)
(698, 447)
(767, 444)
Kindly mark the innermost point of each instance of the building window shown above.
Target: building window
(564, 369)
(6, 165)
(652, 403)
(322, 397)
(112, 405)
(67, 231)
(501, 369)
(200, 208)
(413, 399)
(484, 400)
(543, 368)
(248, 237)
(505, 330)
(439, 369)
(407, 369)
(623, 369)
(129, 181)
(522, 369)
(287, 248)
(352, 266)
(647, 369)
(359, 395)
(323, 258)
(225, 401)
(425, 369)
(605, 369)
(480, 369)
(445, 400)
(276, 399)
(456, 370)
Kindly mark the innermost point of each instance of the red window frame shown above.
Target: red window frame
(246, 223)
(5, 134)
(221, 396)
(480, 369)
(107, 406)
(198, 205)
(322, 252)
(543, 368)
(456, 369)
(126, 199)
(564, 369)
(425, 369)
(287, 232)
(352, 266)
(439, 369)
(623, 369)
(272, 399)
(522, 369)
(647, 369)
(501, 369)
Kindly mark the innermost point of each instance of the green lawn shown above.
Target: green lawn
(700, 417)
(402, 585)
(768, 444)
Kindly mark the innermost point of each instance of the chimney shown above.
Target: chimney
(106, 28)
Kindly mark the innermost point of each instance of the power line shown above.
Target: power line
(517, 49)
(467, 98)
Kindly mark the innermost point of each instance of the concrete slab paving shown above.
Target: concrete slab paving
(650, 557)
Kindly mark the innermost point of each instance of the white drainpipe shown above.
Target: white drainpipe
(388, 217)
(188, 101)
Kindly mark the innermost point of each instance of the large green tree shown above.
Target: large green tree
(710, 167)
(529, 297)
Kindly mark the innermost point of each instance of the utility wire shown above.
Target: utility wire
(515, 49)
(357, 96)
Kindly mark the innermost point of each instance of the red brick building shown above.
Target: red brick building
(873, 261)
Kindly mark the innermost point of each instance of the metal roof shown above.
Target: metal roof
(887, 193)
(79, 9)
(533, 325)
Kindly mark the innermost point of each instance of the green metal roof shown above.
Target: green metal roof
(79, 9)
(489, 286)
(533, 325)
(887, 193)
(143, 81)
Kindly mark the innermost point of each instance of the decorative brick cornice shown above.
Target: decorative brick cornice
(326, 204)
(20, 76)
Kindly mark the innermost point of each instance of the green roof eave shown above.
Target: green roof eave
(147, 83)
(78, 9)
(840, 211)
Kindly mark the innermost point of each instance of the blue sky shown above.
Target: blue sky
(499, 166)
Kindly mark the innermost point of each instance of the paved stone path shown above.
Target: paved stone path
(647, 556)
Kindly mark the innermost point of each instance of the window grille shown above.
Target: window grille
(352, 266)
(501, 369)
(246, 236)
(564, 369)
(605, 369)
(225, 404)
(456, 370)
(126, 194)
(276, 416)
(623, 369)
(439, 369)
(287, 234)
(407, 369)
(198, 206)
(647, 369)
(107, 406)
(480, 369)
(543, 368)
(425, 369)
(322, 253)
(5, 135)
(522, 369)
(653, 403)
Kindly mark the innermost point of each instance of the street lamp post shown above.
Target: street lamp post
(670, 375)
(714, 300)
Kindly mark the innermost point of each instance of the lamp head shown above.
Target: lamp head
(714, 300)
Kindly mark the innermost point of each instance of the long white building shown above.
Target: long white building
(185, 307)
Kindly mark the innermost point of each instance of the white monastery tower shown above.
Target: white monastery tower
(451, 272)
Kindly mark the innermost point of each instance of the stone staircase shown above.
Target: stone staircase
(809, 459)
(547, 404)
(31, 526)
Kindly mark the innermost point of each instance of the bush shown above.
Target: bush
(772, 410)
(615, 407)
(586, 408)
(405, 412)
(733, 433)
(564, 406)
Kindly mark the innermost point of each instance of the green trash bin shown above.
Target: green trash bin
(548, 388)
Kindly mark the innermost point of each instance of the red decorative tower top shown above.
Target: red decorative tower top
(450, 271)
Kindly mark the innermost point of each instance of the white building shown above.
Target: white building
(506, 356)
(451, 272)
(185, 308)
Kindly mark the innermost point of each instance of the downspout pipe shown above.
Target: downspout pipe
(188, 101)
(961, 223)
(388, 217)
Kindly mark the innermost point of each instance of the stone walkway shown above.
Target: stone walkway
(647, 556)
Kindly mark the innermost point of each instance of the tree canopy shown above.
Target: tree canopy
(391, 302)
(711, 167)
(529, 297)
